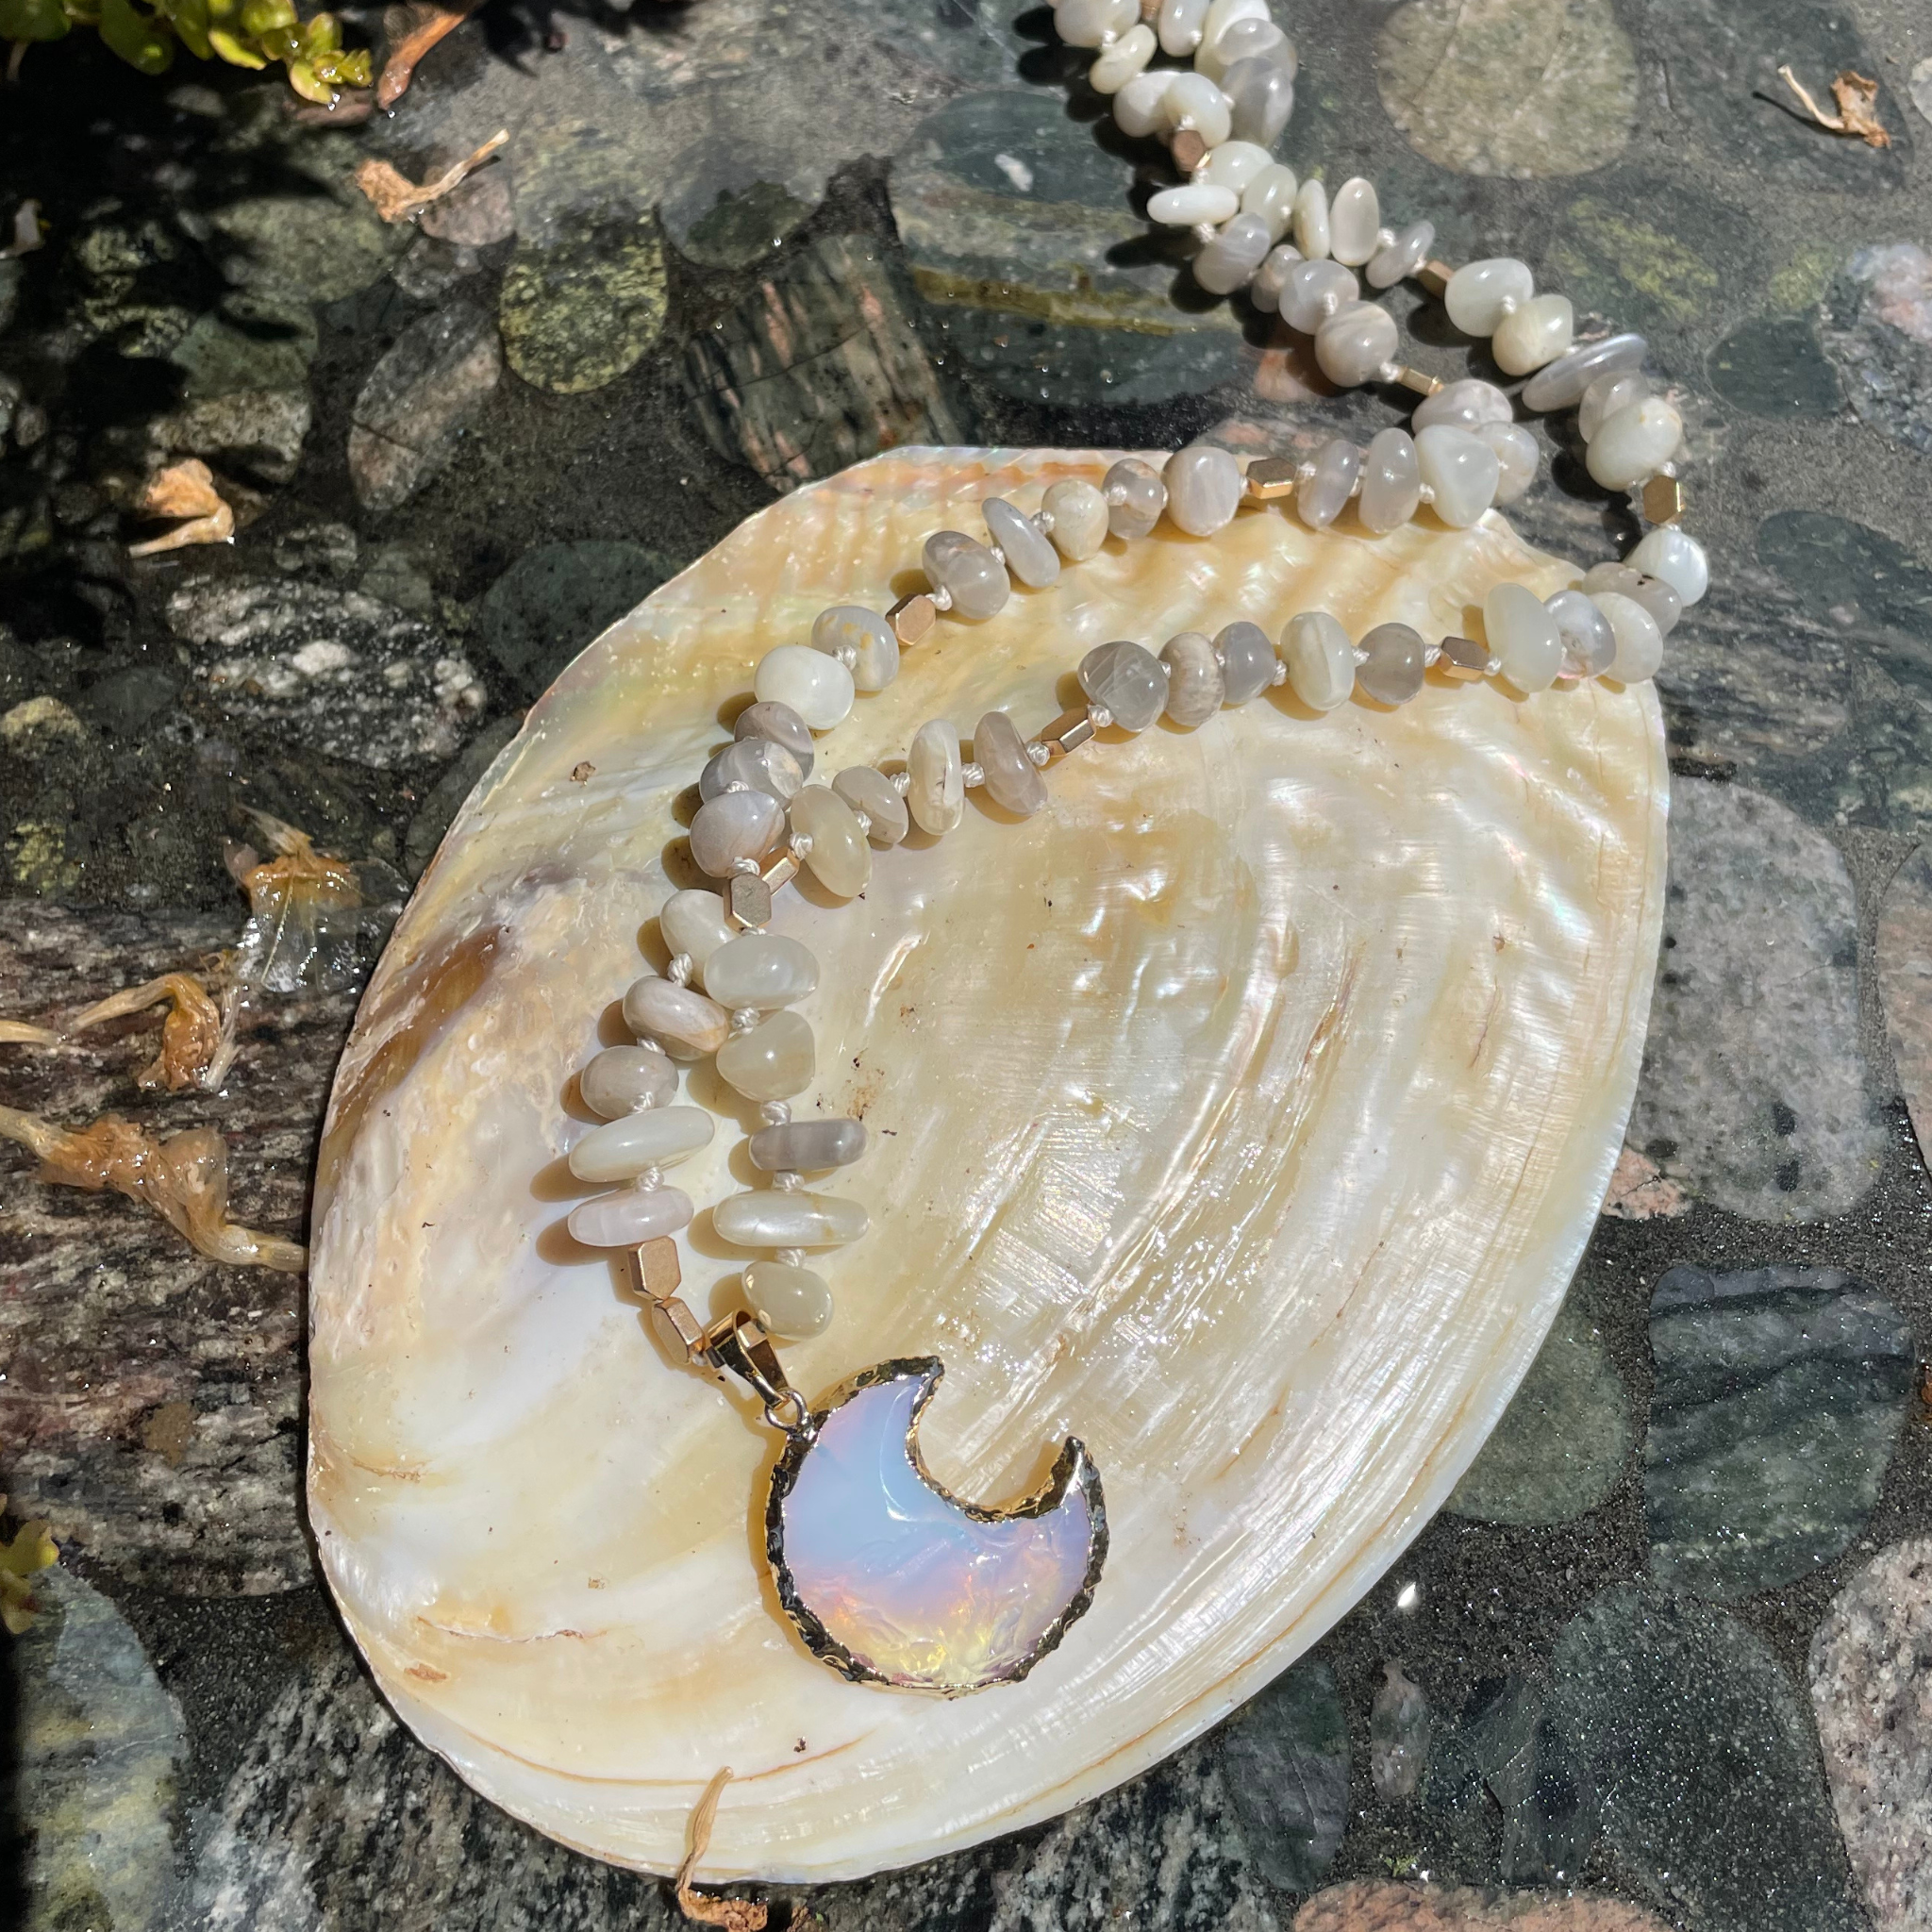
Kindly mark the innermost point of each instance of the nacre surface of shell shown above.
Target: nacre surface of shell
(1243, 1113)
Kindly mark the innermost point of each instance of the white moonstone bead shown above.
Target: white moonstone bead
(1140, 108)
(866, 789)
(1134, 497)
(970, 573)
(1179, 27)
(1639, 642)
(806, 1146)
(755, 763)
(1676, 557)
(1193, 101)
(761, 970)
(1396, 663)
(1320, 659)
(1127, 679)
(1652, 594)
(734, 825)
(1088, 23)
(1401, 257)
(937, 795)
(1194, 686)
(1463, 403)
(1461, 471)
(793, 1304)
(1234, 165)
(1222, 14)
(873, 644)
(1522, 635)
(782, 725)
(1312, 219)
(1588, 643)
(1271, 197)
(683, 1019)
(817, 688)
(1029, 556)
(1246, 39)
(1392, 482)
(774, 1061)
(1265, 291)
(771, 1218)
(1355, 219)
(1118, 63)
(840, 858)
(1564, 380)
(1203, 488)
(1010, 777)
(1536, 333)
(621, 1150)
(629, 1218)
(693, 922)
(1261, 95)
(1320, 497)
(1635, 444)
(1079, 519)
(1230, 260)
(1189, 206)
(622, 1080)
(1605, 396)
(1481, 293)
(1517, 457)
(1247, 660)
(1312, 291)
(1356, 343)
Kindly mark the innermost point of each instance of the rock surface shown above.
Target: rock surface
(417, 400)
(552, 600)
(1284, 1760)
(1878, 331)
(1364, 1905)
(1752, 1091)
(578, 310)
(1905, 981)
(1871, 1663)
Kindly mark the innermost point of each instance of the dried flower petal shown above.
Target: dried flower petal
(396, 198)
(184, 490)
(1857, 100)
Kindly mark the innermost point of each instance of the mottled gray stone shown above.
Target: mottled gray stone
(1562, 1440)
(552, 600)
(478, 211)
(418, 402)
(1752, 1091)
(1024, 240)
(1871, 1661)
(1774, 366)
(255, 434)
(1398, 1737)
(151, 1401)
(430, 269)
(1777, 1403)
(1905, 982)
(1878, 332)
(258, 341)
(317, 550)
(580, 308)
(731, 201)
(821, 366)
(1703, 1757)
(347, 675)
(1284, 1760)
(100, 1751)
(320, 246)
(1648, 251)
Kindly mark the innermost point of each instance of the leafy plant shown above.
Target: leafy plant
(245, 33)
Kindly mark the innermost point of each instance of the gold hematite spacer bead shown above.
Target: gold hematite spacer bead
(748, 899)
(678, 1329)
(1068, 732)
(912, 617)
(1420, 381)
(1663, 500)
(1464, 658)
(657, 1268)
(1189, 150)
(1434, 276)
(1272, 476)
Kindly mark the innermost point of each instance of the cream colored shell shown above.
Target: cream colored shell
(1245, 1113)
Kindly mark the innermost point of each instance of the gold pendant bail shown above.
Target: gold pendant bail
(739, 1347)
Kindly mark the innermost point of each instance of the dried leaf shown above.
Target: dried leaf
(183, 1179)
(1858, 99)
(396, 198)
(30, 1551)
(433, 23)
(20, 1033)
(184, 490)
(197, 1037)
(27, 228)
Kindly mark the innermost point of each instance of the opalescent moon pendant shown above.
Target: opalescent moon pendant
(891, 1579)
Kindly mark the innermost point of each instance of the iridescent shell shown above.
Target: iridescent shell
(1243, 1114)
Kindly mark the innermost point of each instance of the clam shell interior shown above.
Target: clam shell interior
(1242, 1114)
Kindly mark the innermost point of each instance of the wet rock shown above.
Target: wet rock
(1648, 250)
(1752, 1091)
(431, 269)
(1774, 367)
(578, 310)
(418, 402)
(552, 600)
(730, 203)
(1878, 333)
(1368, 1905)
(1702, 1753)
(1778, 1399)
(317, 245)
(477, 212)
(395, 576)
(1922, 87)
(1284, 1760)
(1045, 280)
(151, 1401)
(126, 703)
(336, 670)
(255, 434)
(256, 340)
(101, 1751)
(1510, 87)
(1905, 983)
(1639, 1190)
(819, 368)
(317, 550)
(1563, 1440)
(1870, 1661)
(1398, 1737)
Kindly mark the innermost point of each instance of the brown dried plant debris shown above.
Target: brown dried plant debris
(197, 1035)
(734, 1914)
(296, 903)
(395, 198)
(1858, 104)
(184, 1178)
(29, 1551)
(416, 30)
(184, 490)
(24, 1033)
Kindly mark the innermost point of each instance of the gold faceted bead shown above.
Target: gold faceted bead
(1272, 476)
(1434, 276)
(1663, 500)
(657, 1268)
(1420, 381)
(1150, 10)
(748, 899)
(1068, 732)
(913, 617)
(1189, 150)
(678, 1329)
(1464, 658)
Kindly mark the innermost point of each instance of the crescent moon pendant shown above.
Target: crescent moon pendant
(891, 1579)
